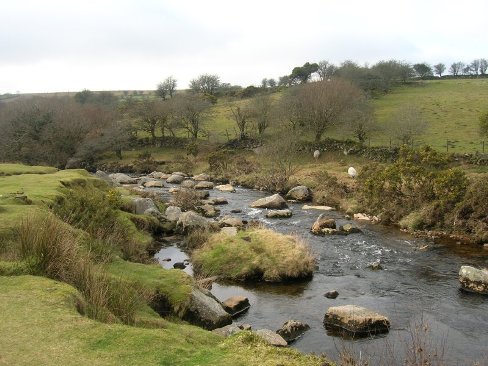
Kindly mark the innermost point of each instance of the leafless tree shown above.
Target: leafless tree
(260, 109)
(321, 104)
(407, 124)
(360, 121)
(190, 112)
(456, 68)
(439, 69)
(483, 66)
(326, 70)
(205, 84)
(475, 66)
(241, 116)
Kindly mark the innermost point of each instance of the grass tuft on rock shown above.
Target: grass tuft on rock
(255, 254)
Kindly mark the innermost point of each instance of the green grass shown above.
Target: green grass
(15, 169)
(174, 284)
(40, 325)
(451, 108)
(254, 255)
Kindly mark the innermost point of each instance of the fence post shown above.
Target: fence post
(447, 145)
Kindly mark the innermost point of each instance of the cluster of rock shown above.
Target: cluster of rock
(325, 225)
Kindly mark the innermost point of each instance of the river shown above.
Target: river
(417, 285)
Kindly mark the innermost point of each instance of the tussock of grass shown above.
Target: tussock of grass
(260, 254)
(154, 280)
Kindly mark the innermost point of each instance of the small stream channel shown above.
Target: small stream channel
(414, 286)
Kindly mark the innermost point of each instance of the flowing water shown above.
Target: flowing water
(417, 285)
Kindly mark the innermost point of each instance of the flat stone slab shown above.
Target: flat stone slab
(236, 305)
(279, 214)
(356, 320)
(204, 185)
(321, 208)
(154, 184)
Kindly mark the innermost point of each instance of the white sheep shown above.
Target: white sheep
(316, 154)
(352, 172)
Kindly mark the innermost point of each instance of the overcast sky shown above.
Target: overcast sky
(69, 45)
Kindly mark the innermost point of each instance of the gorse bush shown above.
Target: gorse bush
(418, 178)
(95, 211)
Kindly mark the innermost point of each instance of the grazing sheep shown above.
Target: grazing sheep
(316, 154)
(352, 172)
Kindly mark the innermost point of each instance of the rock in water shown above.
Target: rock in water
(172, 213)
(179, 265)
(292, 330)
(226, 188)
(175, 179)
(201, 177)
(204, 310)
(331, 294)
(299, 193)
(356, 320)
(188, 183)
(121, 178)
(279, 214)
(154, 184)
(323, 222)
(272, 338)
(189, 221)
(204, 185)
(236, 305)
(349, 228)
(275, 202)
(473, 279)
(141, 205)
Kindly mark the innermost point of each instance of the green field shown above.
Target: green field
(451, 108)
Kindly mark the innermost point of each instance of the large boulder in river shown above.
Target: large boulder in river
(473, 279)
(188, 183)
(202, 177)
(274, 202)
(355, 320)
(299, 193)
(206, 311)
(208, 210)
(154, 184)
(279, 214)
(204, 185)
(226, 188)
(172, 213)
(100, 174)
(231, 221)
(121, 178)
(190, 221)
(175, 179)
(323, 222)
(141, 205)
(292, 330)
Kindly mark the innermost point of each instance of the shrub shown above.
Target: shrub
(256, 254)
(186, 199)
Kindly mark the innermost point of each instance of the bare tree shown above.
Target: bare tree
(321, 104)
(407, 124)
(241, 116)
(439, 69)
(467, 70)
(190, 111)
(326, 70)
(167, 87)
(456, 68)
(260, 108)
(205, 84)
(475, 66)
(483, 66)
(360, 121)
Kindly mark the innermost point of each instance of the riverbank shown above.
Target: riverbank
(66, 317)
